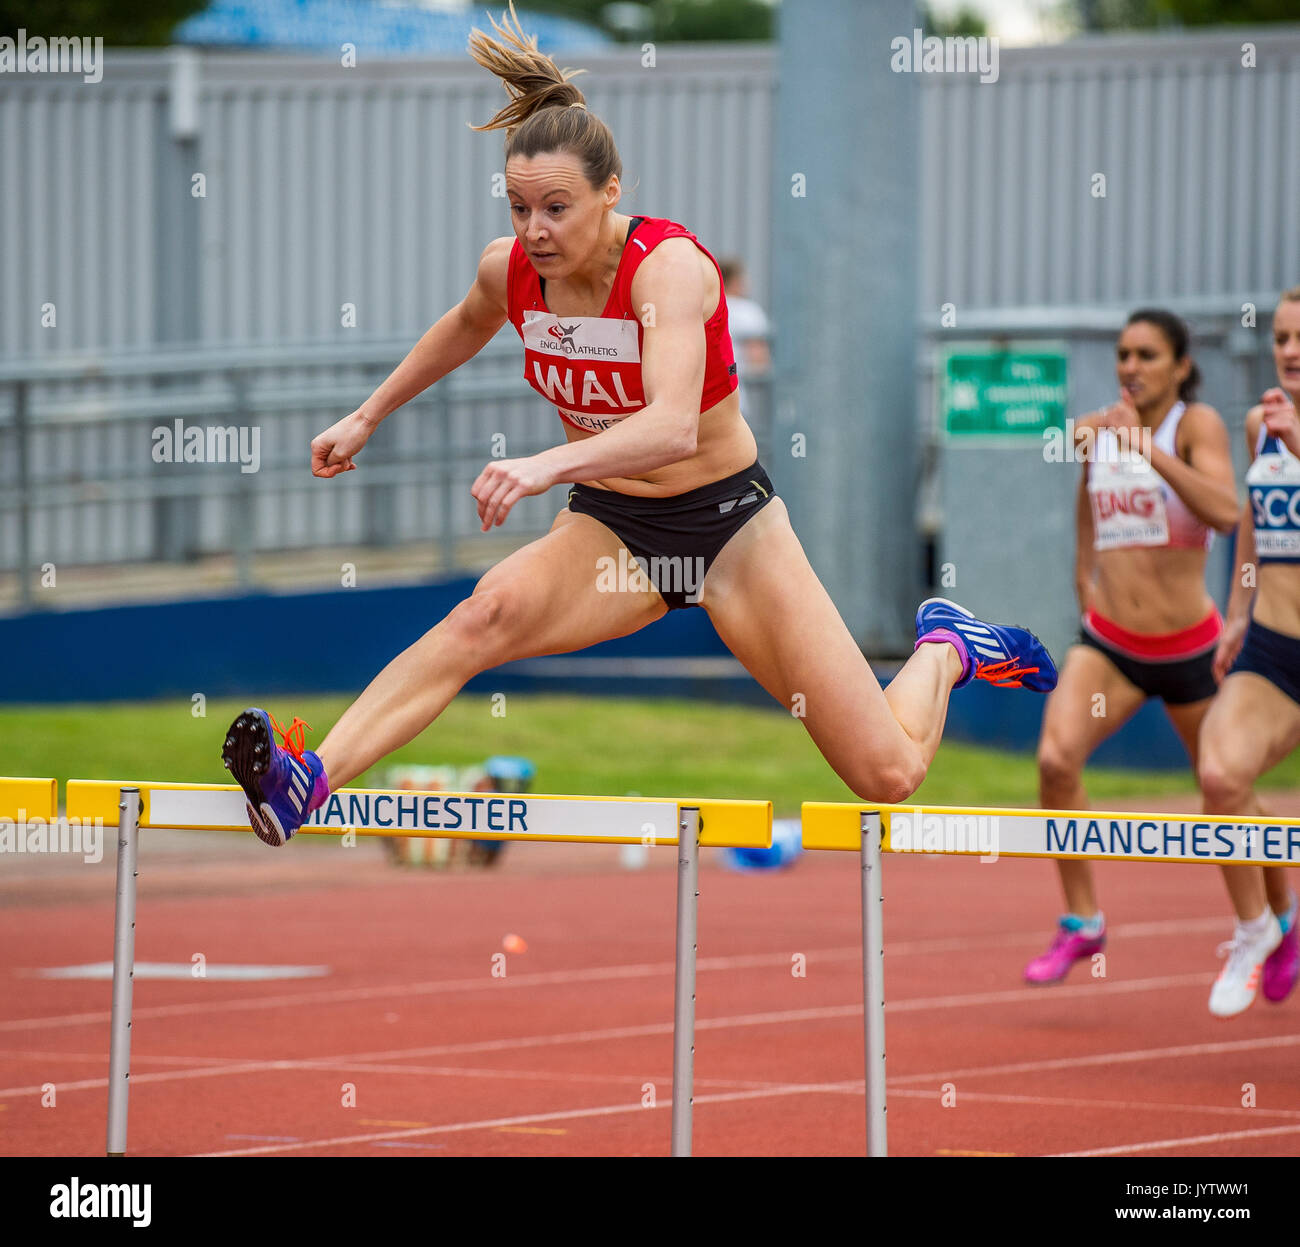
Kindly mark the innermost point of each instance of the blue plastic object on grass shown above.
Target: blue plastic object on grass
(787, 845)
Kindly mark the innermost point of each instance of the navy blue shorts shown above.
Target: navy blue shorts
(1274, 655)
(675, 540)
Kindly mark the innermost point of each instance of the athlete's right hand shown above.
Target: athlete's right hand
(332, 451)
(1231, 639)
(1120, 415)
(1280, 418)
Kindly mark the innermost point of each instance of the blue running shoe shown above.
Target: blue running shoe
(283, 784)
(1005, 657)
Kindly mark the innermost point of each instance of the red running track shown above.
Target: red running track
(570, 1053)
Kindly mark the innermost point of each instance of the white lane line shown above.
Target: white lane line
(1109, 1058)
(419, 1147)
(482, 982)
(95, 1084)
(50, 1054)
(775, 1017)
(1194, 1140)
(492, 1123)
(827, 1013)
(1178, 926)
(451, 1071)
(182, 970)
(1014, 995)
(486, 1045)
(1012, 939)
(505, 1075)
(1134, 1106)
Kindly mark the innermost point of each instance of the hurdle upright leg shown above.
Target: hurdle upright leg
(873, 984)
(119, 1056)
(688, 877)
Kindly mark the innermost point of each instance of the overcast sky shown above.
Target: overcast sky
(1014, 21)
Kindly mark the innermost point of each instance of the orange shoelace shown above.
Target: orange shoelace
(1004, 674)
(294, 745)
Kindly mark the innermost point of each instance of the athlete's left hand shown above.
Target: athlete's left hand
(503, 482)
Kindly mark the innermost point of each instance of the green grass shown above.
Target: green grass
(598, 747)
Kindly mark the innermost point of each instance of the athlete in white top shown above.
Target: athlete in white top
(1255, 720)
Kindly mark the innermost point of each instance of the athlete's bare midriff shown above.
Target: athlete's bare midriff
(1151, 591)
(724, 446)
(1277, 598)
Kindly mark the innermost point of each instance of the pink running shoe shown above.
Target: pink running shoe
(1071, 944)
(1283, 965)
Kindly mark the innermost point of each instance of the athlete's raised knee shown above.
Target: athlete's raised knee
(487, 623)
(892, 784)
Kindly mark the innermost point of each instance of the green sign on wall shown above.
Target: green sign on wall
(1015, 391)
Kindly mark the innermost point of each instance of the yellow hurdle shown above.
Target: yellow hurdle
(686, 823)
(23, 799)
(990, 833)
(1093, 835)
(458, 815)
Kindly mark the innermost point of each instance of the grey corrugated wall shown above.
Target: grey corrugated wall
(328, 185)
(1200, 157)
(325, 185)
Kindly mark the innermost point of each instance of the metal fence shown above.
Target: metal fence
(1199, 197)
(198, 453)
(239, 198)
(190, 205)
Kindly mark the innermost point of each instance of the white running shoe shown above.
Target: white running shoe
(1234, 990)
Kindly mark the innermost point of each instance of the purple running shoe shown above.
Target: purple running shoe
(283, 783)
(1006, 657)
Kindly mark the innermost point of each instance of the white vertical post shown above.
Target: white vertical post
(119, 1053)
(688, 877)
(873, 984)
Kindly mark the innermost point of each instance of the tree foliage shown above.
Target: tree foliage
(120, 23)
(713, 21)
(1145, 14)
(965, 21)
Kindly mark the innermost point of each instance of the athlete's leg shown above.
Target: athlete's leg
(1251, 726)
(546, 598)
(1092, 701)
(1245, 883)
(773, 613)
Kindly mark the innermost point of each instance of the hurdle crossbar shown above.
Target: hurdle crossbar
(458, 815)
(22, 800)
(991, 833)
(686, 823)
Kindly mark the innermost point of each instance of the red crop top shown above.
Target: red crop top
(590, 366)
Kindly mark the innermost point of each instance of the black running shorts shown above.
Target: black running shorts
(675, 540)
